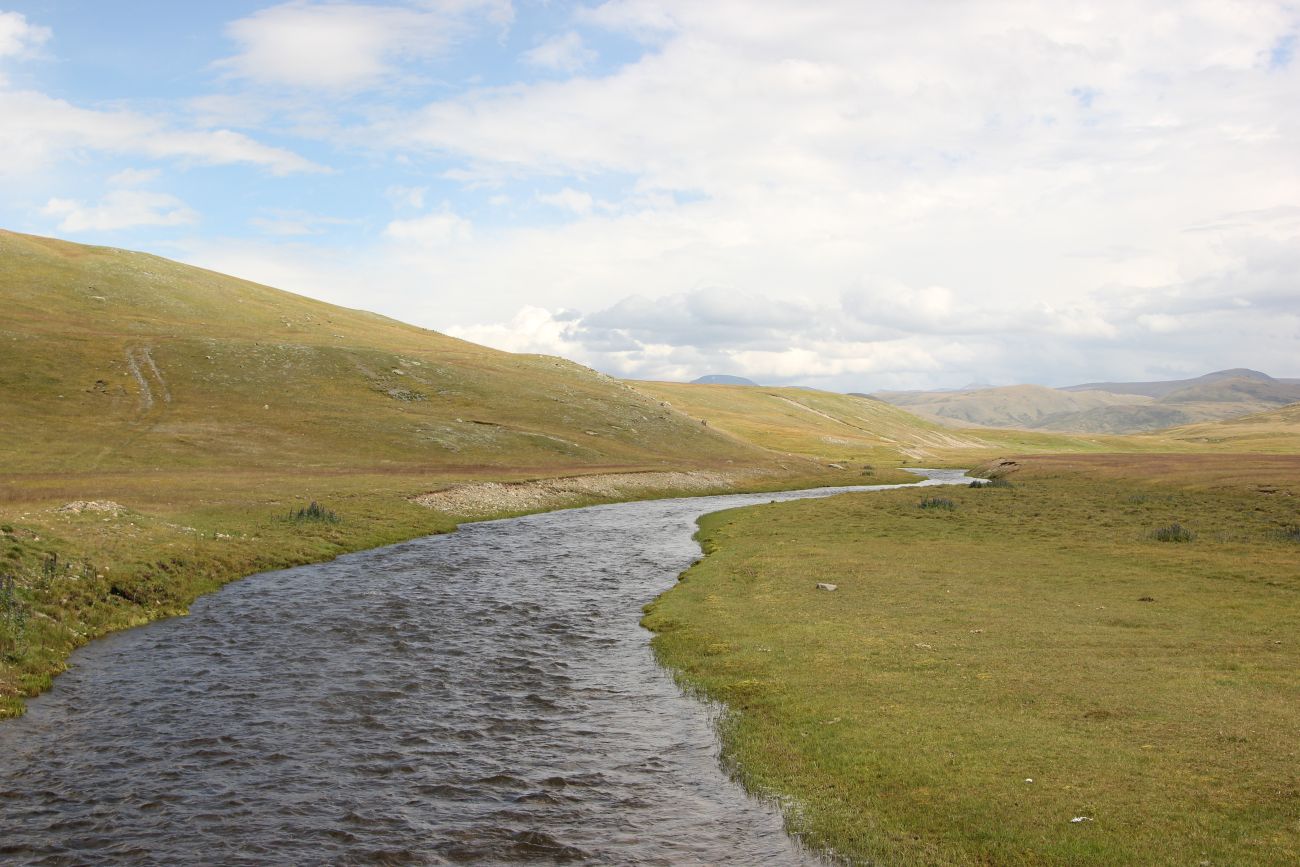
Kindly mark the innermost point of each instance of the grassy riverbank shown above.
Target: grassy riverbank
(197, 411)
(84, 563)
(1041, 631)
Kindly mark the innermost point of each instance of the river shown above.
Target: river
(481, 697)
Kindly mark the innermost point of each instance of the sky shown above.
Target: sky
(845, 194)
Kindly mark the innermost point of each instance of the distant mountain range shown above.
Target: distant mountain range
(1105, 407)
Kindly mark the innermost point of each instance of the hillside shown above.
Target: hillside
(722, 379)
(1028, 406)
(166, 428)
(1276, 431)
(848, 428)
(1133, 408)
(1162, 388)
(116, 361)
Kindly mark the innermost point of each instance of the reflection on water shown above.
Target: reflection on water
(481, 697)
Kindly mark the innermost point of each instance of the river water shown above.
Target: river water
(482, 697)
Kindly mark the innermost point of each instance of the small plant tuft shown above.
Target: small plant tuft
(315, 512)
(997, 482)
(1173, 533)
(1289, 533)
(942, 503)
(13, 615)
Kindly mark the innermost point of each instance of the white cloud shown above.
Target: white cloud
(434, 230)
(568, 199)
(531, 329)
(133, 177)
(120, 209)
(295, 223)
(18, 36)
(39, 130)
(563, 53)
(1012, 181)
(345, 46)
(406, 197)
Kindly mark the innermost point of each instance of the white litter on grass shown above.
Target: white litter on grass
(1077, 819)
(1029, 779)
(824, 586)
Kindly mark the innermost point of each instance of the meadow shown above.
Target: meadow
(1036, 675)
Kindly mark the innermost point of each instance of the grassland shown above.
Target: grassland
(850, 428)
(985, 676)
(200, 410)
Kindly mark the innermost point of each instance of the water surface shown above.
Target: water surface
(480, 697)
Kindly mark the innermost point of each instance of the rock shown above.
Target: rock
(823, 586)
(80, 506)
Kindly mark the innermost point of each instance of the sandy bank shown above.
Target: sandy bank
(493, 498)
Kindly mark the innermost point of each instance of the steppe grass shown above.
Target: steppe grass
(68, 576)
(1028, 679)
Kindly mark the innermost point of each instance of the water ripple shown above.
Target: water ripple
(482, 697)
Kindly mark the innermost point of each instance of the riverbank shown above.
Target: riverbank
(1021, 674)
(93, 555)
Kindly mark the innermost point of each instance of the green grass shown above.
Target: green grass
(211, 408)
(1037, 633)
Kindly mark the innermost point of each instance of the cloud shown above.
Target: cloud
(345, 46)
(563, 53)
(531, 329)
(39, 130)
(435, 229)
(19, 37)
(568, 199)
(120, 209)
(406, 197)
(133, 177)
(295, 223)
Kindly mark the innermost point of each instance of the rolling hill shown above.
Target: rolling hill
(1132, 407)
(117, 361)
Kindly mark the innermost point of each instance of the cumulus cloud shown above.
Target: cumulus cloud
(120, 209)
(18, 36)
(344, 46)
(1012, 183)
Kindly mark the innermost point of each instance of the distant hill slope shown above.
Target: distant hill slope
(1276, 430)
(850, 428)
(1163, 388)
(722, 379)
(1028, 406)
(1142, 407)
(112, 360)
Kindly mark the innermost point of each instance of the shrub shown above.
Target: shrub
(937, 503)
(315, 512)
(1173, 533)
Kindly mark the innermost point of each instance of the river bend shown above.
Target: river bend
(485, 696)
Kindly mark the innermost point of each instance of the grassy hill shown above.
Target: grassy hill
(116, 361)
(163, 426)
(1276, 431)
(1131, 408)
(848, 428)
(165, 429)
(1026, 406)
